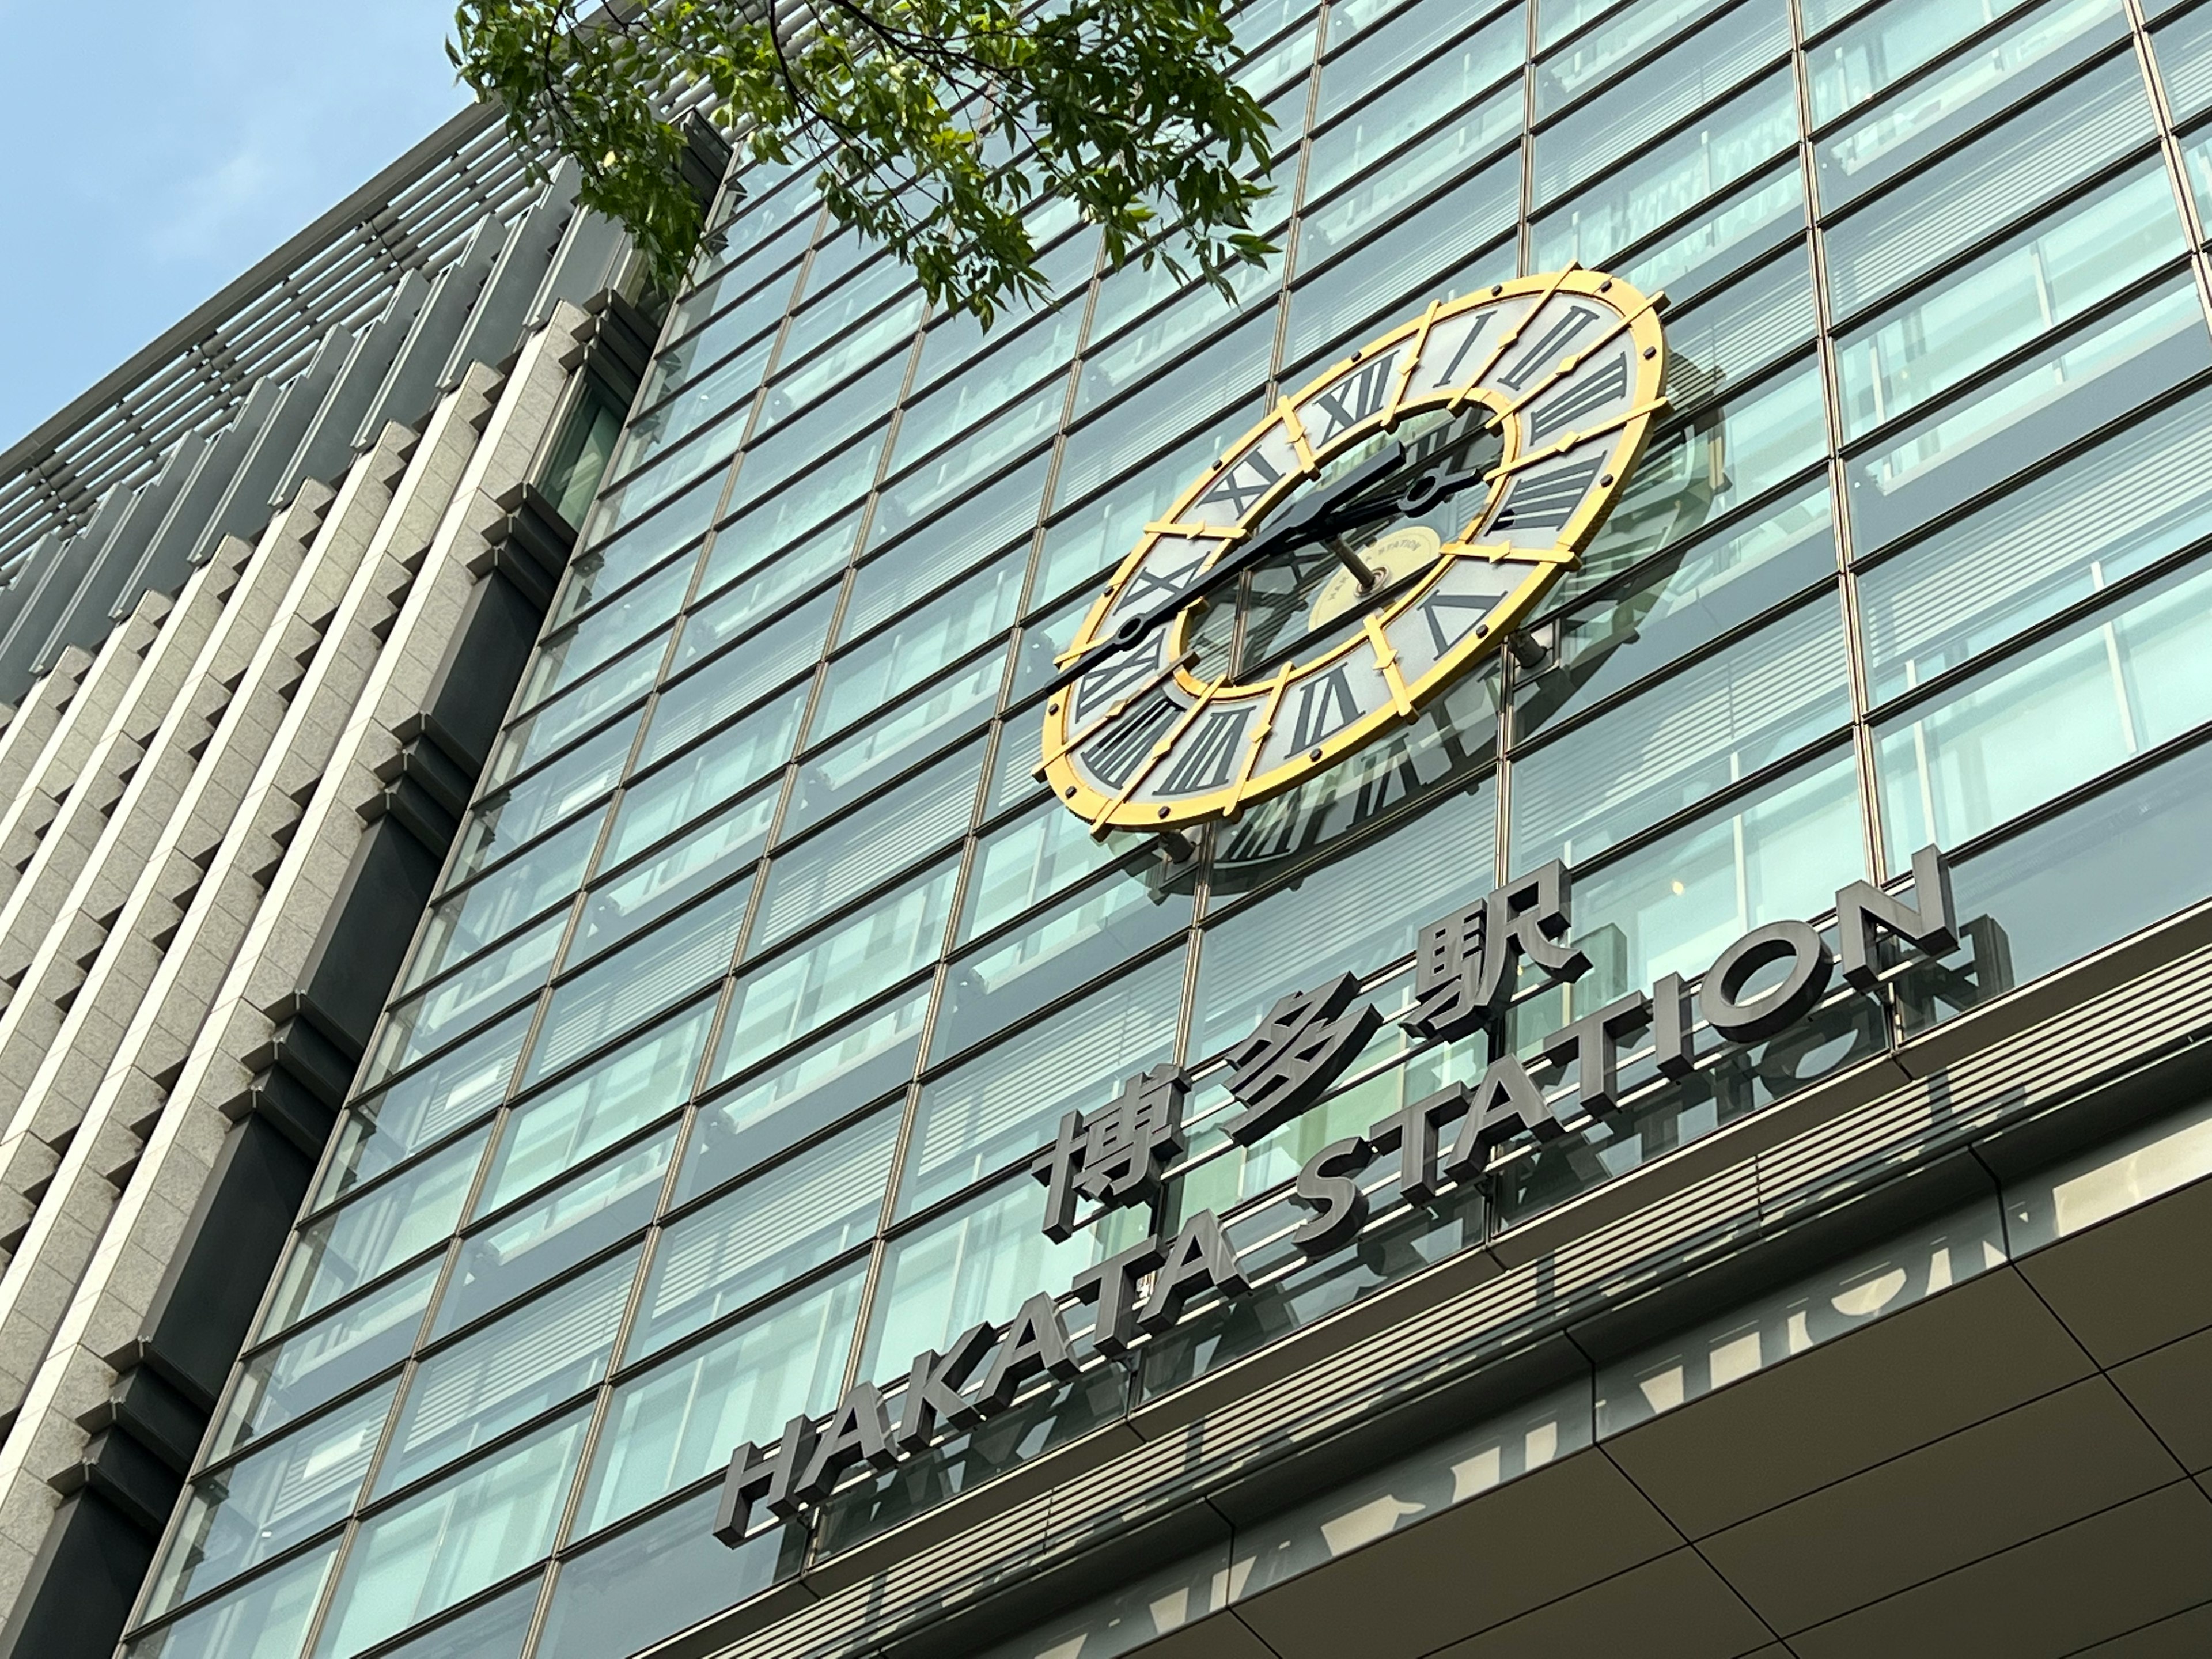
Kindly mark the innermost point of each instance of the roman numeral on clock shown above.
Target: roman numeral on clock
(1556, 414)
(1110, 680)
(1250, 477)
(1116, 753)
(1450, 374)
(1451, 616)
(1352, 399)
(1547, 351)
(1207, 759)
(1321, 707)
(1543, 501)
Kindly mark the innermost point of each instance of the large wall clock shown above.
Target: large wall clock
(1372, 539)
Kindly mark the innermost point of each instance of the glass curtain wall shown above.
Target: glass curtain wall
(763, 963)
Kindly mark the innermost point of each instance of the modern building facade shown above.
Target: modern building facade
(1683, 1132)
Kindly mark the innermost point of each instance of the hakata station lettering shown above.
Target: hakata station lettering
(1466, 967)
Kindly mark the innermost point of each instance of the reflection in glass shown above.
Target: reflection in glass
(576, 1220)
(676, 1423)
(765, 1233)
(450, 1540)
(2109, 686)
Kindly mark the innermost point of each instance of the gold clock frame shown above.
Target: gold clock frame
(1636, 314)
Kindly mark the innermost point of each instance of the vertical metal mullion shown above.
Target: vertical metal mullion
(1839, 483)
(2169, 150)
(1524, 244)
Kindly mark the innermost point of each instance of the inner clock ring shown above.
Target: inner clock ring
(1308, 602)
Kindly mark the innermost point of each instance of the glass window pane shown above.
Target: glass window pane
(679, 1421)
(567, 656)
(722, 393)
(1435, 91)
(494, 1630)
(761, 1236)
(909, 820)
(2060, 536)
(1646, 102)
(859, 321)
(725, 844)
(2196, 156)
(266, 1502)
(843, 965)
(896, 577)
(383, 1129)
(958, 339)
(655, 804)
(876, 673)
(464, 922)
(1004, 1104)
(444, 1544)
(1732, 141)
(319, 1362)
(857, 767)
(1076, 941)
(2047, 275)
(432, 1018)
(641, 545)
(2118, 363)
(1676, 607)
(2093, 120)
(511, 818)
(770, 573)
(1354, 914)
(713, 692)
(2184, 50)
(577, 1219)
(2071, 707)
(651, 1581)
(2084, 877)
(1888, 43)
(1487, 202)
(1386, 280)
(980, 1263)
(577, 1119)
(463, 1397)
(1696, 732)
(624, 987)
(376, 1232)
(749, 603)
(1629, 34)
(1024, 863)
(929, 485)
(1728, 337)
(1015, 362)
(2037, 50)
(1673, 906)
(867, 1057)
(1361, 57)
(264, 1620)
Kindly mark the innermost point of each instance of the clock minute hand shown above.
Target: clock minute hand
(1315, 519)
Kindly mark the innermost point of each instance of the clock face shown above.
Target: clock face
(1356, 553)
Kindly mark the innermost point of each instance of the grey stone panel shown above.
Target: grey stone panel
(328, 446)
(245, 502)
(503, 310)
(168, 556)
(411, 385)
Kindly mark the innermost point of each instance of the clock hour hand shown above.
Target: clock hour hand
(1326, 513)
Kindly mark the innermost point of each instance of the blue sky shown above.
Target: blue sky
(158, 151)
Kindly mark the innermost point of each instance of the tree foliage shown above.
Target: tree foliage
(935, 126)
